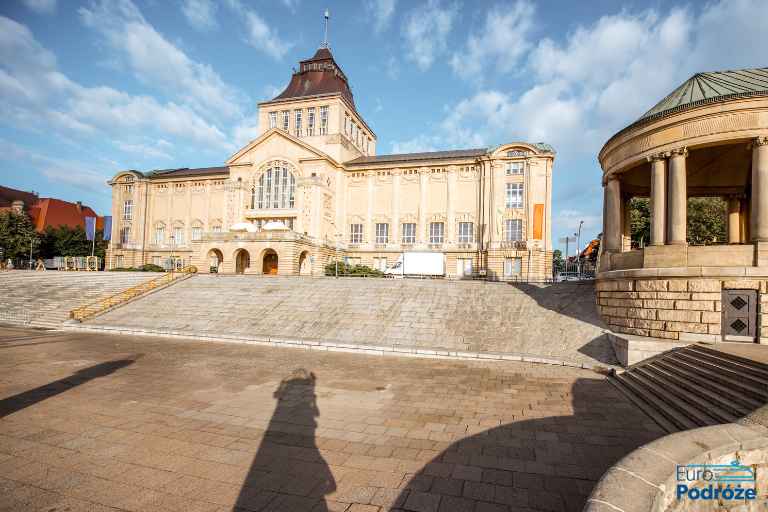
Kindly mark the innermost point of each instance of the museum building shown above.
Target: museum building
(310, 189)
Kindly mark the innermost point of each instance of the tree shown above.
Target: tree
(16, 232)
(706, 220)
(558, 264)
(66, 241)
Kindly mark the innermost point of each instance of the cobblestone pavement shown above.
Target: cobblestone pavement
(93, 422)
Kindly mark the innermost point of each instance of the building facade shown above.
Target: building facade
(310, 189)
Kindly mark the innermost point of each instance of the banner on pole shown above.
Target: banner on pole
(90, 228)
(107, 227)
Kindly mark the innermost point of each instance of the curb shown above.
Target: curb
(333, 346)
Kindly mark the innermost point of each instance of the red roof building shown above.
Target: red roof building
(47, 211)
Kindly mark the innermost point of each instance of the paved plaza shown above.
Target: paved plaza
(96, 422)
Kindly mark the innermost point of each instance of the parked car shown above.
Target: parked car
(567, 276)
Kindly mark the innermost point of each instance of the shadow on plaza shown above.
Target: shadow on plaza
(288, 473)
(549, 463)
(31, 397)
(575, 300)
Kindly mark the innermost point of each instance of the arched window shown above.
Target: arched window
(275, 188)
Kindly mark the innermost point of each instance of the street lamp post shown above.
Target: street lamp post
(578, 249)
(173, 260)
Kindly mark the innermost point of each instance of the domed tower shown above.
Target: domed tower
(318, 107)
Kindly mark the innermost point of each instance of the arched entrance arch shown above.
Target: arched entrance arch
(305, 268)
(269, 262)
(242, 261)
(215, 260)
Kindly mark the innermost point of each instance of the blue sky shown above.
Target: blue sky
(89, 88)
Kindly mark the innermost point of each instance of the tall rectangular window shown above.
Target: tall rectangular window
(347, 125)
(512, 266)
(382, 233)
(178, 235)
(465, 233)
(159, 235)
(436, 232)
(355, 233)
(409, 233)
(297, 123)
(311, 121)
(272, 120)
(128, 210)
(216, 229)
(515, 168)
(197, 233)
(514, 195)
(125, 234)
(513, 230)
(324, 120)
(286, 115)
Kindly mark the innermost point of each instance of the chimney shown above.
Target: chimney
(79, 205)
(17, 207)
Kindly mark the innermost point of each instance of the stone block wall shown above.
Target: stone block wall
(680, 309)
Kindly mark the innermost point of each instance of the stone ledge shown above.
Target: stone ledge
(684, 272)
(631, 349)
(336, 346)
(645, 480)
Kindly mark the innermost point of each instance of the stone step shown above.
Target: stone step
(729, 394)
(667, 418)
(737, 363)
(704, 401)
(756, 388)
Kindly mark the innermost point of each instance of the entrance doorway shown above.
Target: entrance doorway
(269, 267)
(242, 261)
(304, 267)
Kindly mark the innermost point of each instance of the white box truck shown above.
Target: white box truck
(418, 264)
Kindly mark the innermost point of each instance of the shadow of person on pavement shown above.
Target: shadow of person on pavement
(544, 463)
(288, 473)
(26, 399)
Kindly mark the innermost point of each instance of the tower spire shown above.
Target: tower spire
(324, 44)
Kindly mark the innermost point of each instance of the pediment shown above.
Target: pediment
(276, 143)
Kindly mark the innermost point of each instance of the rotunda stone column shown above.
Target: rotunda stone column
(612, 215)
(678, 197)
(734, 220)
(759, 203)
(658, 198)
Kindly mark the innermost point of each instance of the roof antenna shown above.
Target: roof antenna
(324, 44)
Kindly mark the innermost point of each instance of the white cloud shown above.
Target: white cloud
(56, 170)
(426, 32)
(53, 101)
(41, 6)
(500, 42)
(157, 62)
(381, 12)
(419, 144)
(144, 150)
(201, 14)
(263, 37)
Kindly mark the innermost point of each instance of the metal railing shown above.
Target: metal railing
(90, 310)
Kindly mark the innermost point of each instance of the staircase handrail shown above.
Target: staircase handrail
(82, 312)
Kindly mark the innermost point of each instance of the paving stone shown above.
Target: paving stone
(207, 427)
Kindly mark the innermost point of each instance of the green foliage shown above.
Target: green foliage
(640, 219)
(16, 231)
(706, 221)
(66, 241)
(352, 270)
(150, 267)
(558, 263)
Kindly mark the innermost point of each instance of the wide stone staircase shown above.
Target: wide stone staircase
(422, 317)
(695, 386)
(44, 299)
